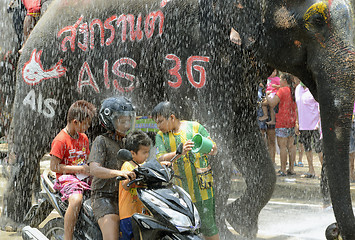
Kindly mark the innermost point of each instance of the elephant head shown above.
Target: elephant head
(313, 39)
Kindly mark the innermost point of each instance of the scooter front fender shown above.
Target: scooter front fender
(146, 227)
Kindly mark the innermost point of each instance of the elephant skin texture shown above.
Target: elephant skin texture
(150, 51)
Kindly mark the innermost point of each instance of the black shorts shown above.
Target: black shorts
(306, 137)
(104, 203)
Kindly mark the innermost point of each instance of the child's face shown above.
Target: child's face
(142, 154)
(82, 126)
(164, 125)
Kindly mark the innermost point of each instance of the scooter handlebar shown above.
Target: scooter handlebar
(120, 178)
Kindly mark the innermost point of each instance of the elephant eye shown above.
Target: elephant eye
(317, 20)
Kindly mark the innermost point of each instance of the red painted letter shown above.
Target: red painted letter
(109, 26)
(71, 38)
(90, 81)
(92, 33)
(83, 29)
(150, 23)
(135, 33)
(175, 71)
(201, 69)
(130, 77)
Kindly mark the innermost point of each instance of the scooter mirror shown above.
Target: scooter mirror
(179, 149)
(124, 154)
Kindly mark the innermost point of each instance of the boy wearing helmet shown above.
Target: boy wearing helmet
(117, 115)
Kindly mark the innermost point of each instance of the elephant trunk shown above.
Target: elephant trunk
(335, 80)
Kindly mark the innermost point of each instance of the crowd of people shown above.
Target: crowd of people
(296, 124)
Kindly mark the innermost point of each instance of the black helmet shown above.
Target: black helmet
(117, 114)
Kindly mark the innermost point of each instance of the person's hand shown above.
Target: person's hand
(86, 169)
(214, 148)
(126, 174)
(187, 147)
(297, 130)
(166, 163)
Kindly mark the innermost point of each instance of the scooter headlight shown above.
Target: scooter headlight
(181, 221)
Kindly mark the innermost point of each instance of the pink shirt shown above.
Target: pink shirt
(308, 109)
(270, 82)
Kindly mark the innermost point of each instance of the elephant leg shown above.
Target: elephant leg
(324, 185)
(222, 183)
(18, 195)
(258, 171)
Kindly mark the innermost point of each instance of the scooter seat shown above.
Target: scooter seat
(88, 209)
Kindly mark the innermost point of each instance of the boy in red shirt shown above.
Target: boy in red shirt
(69, 152)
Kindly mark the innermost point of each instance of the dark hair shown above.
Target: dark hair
(165, 109)
(136, 139)
(81, 110)
(289, 79)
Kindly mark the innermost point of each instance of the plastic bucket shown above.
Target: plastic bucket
(201, 144)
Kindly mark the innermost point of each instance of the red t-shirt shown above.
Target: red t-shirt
(70, 151)
(286, 117)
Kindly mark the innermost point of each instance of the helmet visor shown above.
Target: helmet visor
(123, 122)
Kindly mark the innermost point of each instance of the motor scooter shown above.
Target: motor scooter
(170, 213)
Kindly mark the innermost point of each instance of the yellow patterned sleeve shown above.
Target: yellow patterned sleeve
(159, 143)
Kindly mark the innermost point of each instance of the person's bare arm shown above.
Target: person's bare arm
(55, 166)
(188, 145)
(273, 101)
(98, 171)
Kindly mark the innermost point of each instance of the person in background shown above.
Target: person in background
(69, 152)
(285, 122)
(33, 8)
(308, 126)
(273, 85)
(300, 147)
(266, 130)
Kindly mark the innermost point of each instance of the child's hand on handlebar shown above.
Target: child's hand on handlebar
(187, 147)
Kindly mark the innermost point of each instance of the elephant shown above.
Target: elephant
(180, 50)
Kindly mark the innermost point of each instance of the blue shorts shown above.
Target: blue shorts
(126, 230)
(285, 132)
(352, 138)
